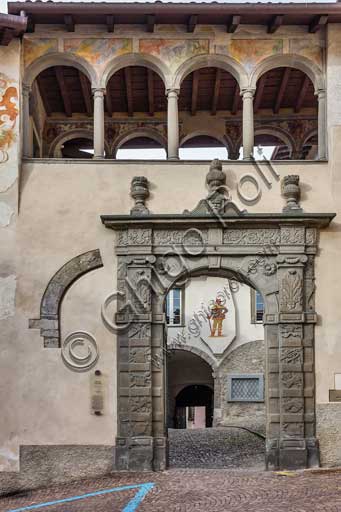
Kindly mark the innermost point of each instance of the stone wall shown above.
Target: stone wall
(328, 431)
(246, 359)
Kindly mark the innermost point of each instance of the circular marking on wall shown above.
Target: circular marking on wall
(193, 242)
(250, 198)
(80, 351)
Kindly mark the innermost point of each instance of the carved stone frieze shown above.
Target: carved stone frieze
(292, 235)
(266, 236)
(166, 237)
(291, 331)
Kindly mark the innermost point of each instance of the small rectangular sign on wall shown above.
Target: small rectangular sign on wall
(334, 395)
(97, 389)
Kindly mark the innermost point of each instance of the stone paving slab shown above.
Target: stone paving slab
(213, 448)
(199, 490)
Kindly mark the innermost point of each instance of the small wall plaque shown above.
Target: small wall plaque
(335, 395)
(97, 393)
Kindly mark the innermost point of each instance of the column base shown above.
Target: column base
(95, 157)
(292, 454)
(141, 453)
(173, 158)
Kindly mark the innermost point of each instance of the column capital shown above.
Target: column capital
(26, 89)
(98, 91)
(248, 93)
(171, 93)
(321, 94)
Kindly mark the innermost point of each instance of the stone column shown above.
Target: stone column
(248, 128)
(173, 124)
(322, 124)
(98, 123)
(27, 143)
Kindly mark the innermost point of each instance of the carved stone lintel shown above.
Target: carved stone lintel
(139, 191)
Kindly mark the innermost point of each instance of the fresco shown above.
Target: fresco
(174, 51)
(34, 48)
(250, 52)
(98, 51)
(216, 316)
(311, 50)
(8, 115)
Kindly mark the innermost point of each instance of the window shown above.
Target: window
(257, 307)
(246, 388)
(174, 305)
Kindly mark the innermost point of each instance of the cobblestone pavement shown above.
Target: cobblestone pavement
(215, 448)
(197, 490)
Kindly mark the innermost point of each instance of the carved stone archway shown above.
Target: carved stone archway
(273, 253)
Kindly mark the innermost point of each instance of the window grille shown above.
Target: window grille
(246, 388)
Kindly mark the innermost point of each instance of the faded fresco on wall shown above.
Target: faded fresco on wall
(174, 51)
(8, 115)
(98, 51)
(34, 48)
(250, 52)
(307, 48)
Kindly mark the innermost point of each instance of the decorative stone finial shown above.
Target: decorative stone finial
(292, 192)
(215, 177)
(139, 191)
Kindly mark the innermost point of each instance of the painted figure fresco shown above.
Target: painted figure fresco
(8, 115)
(217, 315)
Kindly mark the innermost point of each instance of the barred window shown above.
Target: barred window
(246, 388)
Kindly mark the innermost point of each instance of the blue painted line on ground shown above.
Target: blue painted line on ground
(130, 507)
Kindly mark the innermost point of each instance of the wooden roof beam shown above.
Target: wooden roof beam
(282, 88)
(150, 23)
(275, 23)
(129, 91)
(215, 97)
(317, 23)
(233, 24)
(195, 88)
(85, 86)
(236, 100)
(63, 91)
(259, 93)
(110, 23)
(6, 36)
(192, 23)
(69, 22)
(150, 79)
(302, 94)
(44, 98)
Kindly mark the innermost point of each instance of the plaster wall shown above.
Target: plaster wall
(59, 218)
